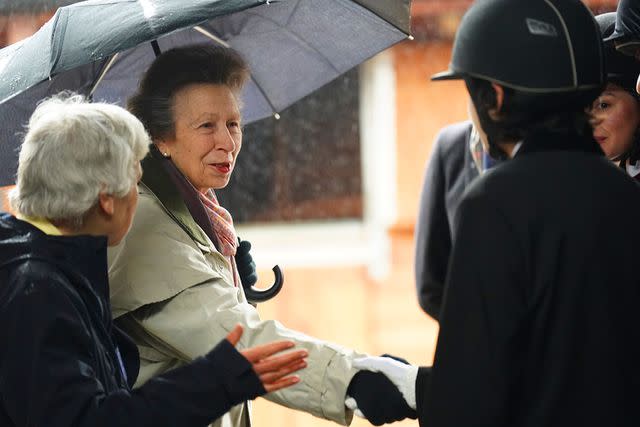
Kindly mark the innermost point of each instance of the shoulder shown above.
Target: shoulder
(150, 212)
(494, 188)
(156, 260)
(153, 227)
(35, 270)
(36, 284)
(453, 136)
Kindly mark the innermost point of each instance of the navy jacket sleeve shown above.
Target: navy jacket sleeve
(49, 364)
(433, 237)
(476, 358)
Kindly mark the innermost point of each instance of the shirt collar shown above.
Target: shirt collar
(516, 148)
(42, 224)
(633, 169)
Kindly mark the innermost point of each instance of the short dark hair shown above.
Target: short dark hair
(177, 68)
(526, 113)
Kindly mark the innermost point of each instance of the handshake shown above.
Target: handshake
(384, 390)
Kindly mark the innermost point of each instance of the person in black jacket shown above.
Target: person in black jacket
(450, 170)
(540, 294)
(62, 360)
(457, 158)
(537, 326)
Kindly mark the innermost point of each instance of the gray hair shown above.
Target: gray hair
(73, 151)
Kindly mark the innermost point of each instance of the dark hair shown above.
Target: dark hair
(177, 68)
(524, 113)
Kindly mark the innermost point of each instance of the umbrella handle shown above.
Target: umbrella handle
(256, 295)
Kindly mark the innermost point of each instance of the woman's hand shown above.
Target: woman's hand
(272, 370)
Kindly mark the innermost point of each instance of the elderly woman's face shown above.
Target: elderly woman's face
(615, 117)
(208, 135)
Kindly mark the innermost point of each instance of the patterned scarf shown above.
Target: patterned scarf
(223, 228)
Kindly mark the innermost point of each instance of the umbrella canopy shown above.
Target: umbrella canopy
(32, 6)
(100, 48)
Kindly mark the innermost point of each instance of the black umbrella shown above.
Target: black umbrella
(101, 47)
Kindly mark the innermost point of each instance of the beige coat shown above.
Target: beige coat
(176, 298)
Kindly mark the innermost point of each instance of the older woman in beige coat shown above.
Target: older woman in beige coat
(175, 285)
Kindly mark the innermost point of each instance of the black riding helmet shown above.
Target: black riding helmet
(548, 51)
(626, 34)
(621, 70)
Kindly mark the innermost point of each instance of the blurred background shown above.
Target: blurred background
(330, 191)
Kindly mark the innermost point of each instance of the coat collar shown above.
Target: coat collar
(546, 141)
(158, 178)
(41, 223)
(84, 255)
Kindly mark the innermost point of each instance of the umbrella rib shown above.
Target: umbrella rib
(227, 45)
(211, 36)
(103, 73)
(55, 56)
(360, 3)
(266, 98)
(299, 39)
(293, 12)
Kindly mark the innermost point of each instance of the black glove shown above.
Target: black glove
(244, 263)
(378, 398)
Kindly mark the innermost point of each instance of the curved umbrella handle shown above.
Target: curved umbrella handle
(256, 295)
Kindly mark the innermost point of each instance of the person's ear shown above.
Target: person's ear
(163, 147)
(106, 202)
(494, 113)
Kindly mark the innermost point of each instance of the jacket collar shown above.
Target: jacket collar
(41, 223)
(172, 189)
(84, 255)
(546, 141)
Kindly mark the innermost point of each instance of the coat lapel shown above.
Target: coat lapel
(156, 179)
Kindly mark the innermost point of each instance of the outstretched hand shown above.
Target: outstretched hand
(400, 372)
(273, 370)
(381, 391)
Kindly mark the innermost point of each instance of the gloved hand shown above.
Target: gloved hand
(399, 359)
(401, 374)
(351, 403)
(246, 266)
(377, 398)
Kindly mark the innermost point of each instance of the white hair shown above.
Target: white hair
(73, 151)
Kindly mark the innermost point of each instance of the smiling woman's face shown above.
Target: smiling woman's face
(208, 135)
(615, 117)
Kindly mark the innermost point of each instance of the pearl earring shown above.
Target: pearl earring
(165, 154)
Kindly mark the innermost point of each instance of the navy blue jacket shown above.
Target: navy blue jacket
(450, 171)
(64, 363)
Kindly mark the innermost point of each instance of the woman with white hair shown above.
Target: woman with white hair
(62, 361)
